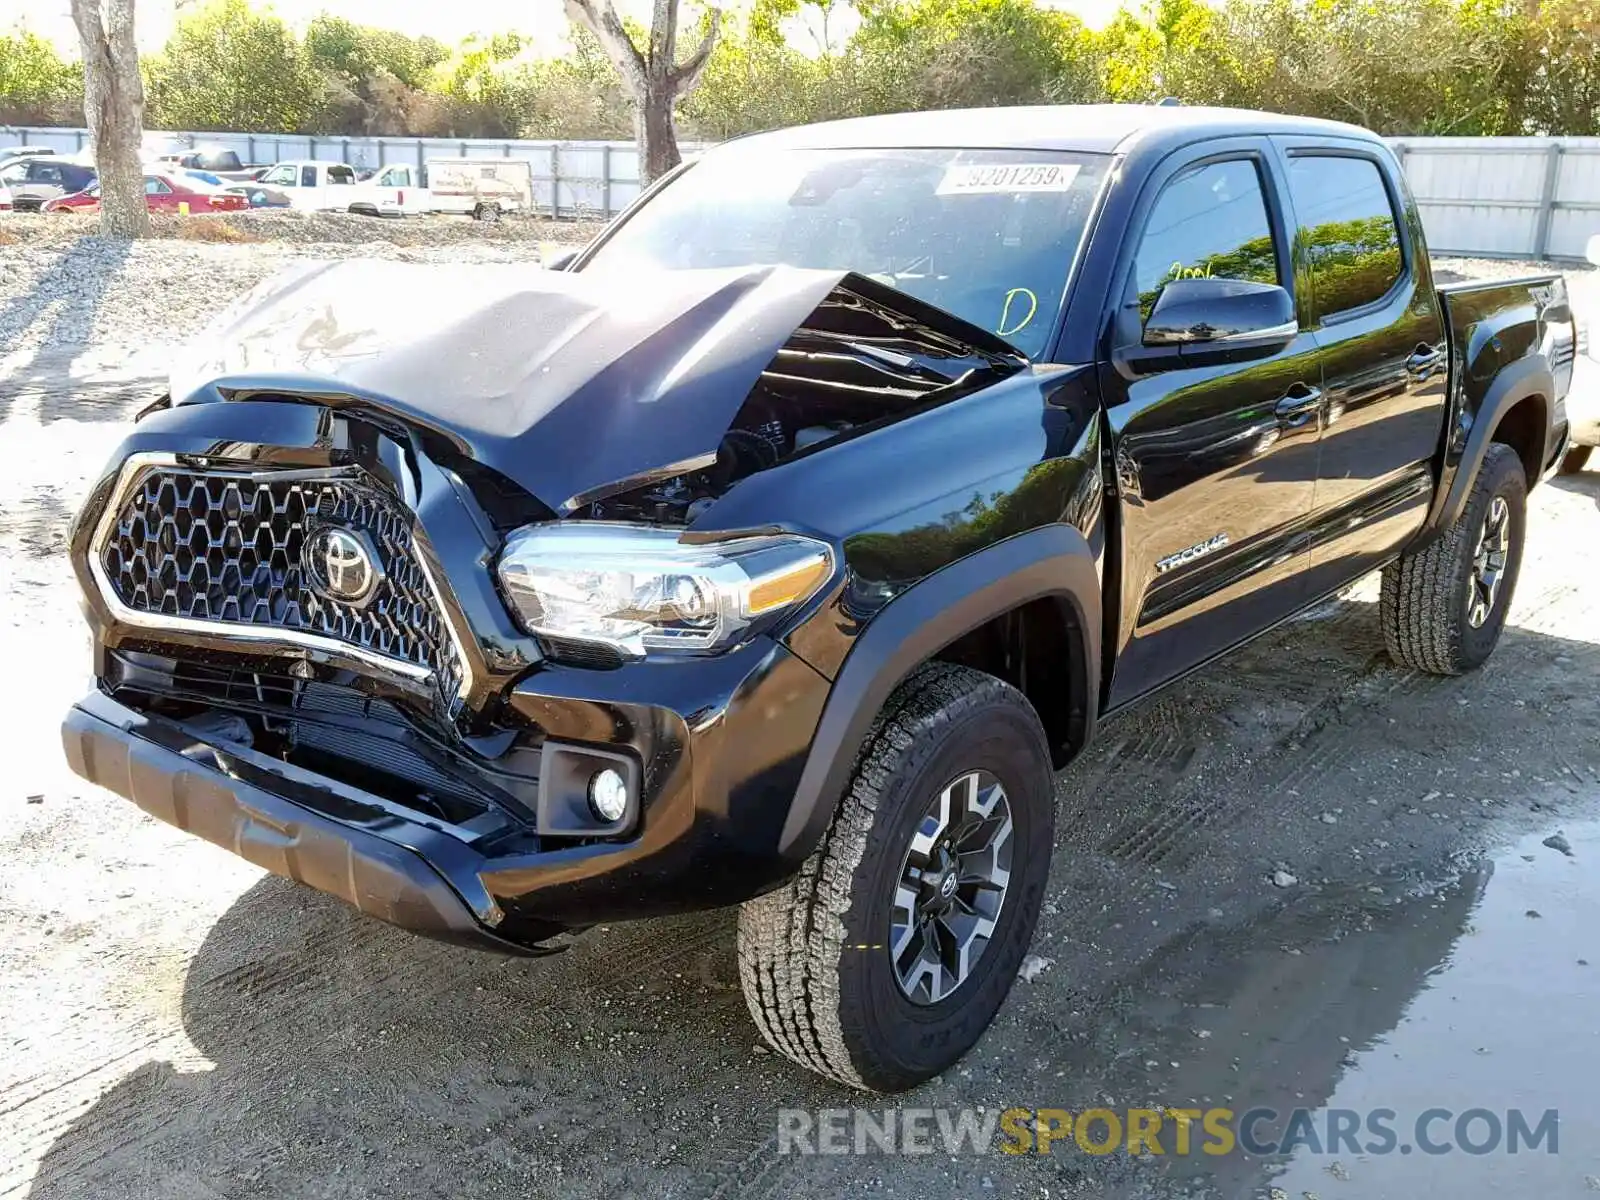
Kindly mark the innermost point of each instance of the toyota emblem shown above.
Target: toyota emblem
(341, 564)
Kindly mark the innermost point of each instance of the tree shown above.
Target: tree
(113, 108)
(488, 87)
(228, 66)
(36, 86)
(373, 80)
(974, 53)
(655, 78)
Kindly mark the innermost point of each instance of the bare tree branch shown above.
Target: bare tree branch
(600, 18)
(655, 79)
(687, 73)
(664, 33)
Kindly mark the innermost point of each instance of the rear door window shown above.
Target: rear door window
(1348, 229)
(1210, 222)
(308, 177)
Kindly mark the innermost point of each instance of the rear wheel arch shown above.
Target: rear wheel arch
(1524, 427)
(980, 610)
(1516, 406)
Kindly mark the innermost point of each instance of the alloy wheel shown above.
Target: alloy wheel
(951, 888)
(1489, 562)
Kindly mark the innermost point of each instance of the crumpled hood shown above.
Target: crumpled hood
(566, 383)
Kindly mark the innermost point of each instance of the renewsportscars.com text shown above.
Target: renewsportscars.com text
(1178, 1132)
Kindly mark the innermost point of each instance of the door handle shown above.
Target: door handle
(1423, 360)
(1299, 402)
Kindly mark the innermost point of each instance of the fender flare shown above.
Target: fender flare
(1515, 383)
(1052, 561)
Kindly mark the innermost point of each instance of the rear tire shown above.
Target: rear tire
(816, 956)
(1443, 607)
(1576, 460)
(487, 213)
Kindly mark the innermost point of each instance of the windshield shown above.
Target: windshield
(989, 235)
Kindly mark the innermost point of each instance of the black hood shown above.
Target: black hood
(569, 384)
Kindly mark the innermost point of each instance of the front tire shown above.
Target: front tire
(1443, 607)
(1575, 460)
(883, 961)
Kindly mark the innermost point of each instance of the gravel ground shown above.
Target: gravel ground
(178, 1025)
(62, 291)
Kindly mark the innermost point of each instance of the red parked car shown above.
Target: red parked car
(162, 193)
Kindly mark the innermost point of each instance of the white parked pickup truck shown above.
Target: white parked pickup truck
(481, 188)
(394, 191)
(307, 185)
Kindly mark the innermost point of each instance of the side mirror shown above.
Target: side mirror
(1592, 250)
(1205, 315)
(561, 261)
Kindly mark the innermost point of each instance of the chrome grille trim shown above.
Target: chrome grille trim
(455, 679)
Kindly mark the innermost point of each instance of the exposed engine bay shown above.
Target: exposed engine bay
(855, 364)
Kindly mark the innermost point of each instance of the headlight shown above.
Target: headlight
(638, 590)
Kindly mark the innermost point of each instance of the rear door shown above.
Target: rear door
(42, 182)
(1215, 465)
(1370, 302)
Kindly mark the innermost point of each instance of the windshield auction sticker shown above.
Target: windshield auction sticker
(969, 179)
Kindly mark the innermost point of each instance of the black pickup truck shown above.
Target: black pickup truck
(500, 602)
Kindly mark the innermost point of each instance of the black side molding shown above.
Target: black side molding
(1516, 381)
(1052, 561)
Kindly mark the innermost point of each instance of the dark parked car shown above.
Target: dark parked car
(214, 160)
(32, 181)
(674, 580)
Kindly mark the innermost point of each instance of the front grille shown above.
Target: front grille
(225, 549)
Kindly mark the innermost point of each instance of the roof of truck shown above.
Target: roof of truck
(1101, 128)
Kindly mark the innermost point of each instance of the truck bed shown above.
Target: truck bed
(1494, 322)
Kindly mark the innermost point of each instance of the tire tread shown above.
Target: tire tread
(1420, 605)
(791, 940)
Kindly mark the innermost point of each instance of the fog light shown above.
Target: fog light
(608, 795)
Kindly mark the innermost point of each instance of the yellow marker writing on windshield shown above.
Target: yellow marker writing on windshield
(1005, 311)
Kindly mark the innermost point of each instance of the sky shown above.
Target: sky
(449, 22)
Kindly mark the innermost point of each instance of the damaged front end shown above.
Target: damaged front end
(350, 586)
(865, 357)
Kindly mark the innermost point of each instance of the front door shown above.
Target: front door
(1215, 466)
(158, 197)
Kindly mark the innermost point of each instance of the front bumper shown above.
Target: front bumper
(366, 856)
(720, 751)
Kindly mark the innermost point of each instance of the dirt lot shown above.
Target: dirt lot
(178, 1025)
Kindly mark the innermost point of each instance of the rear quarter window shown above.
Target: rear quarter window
(1349, 235)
